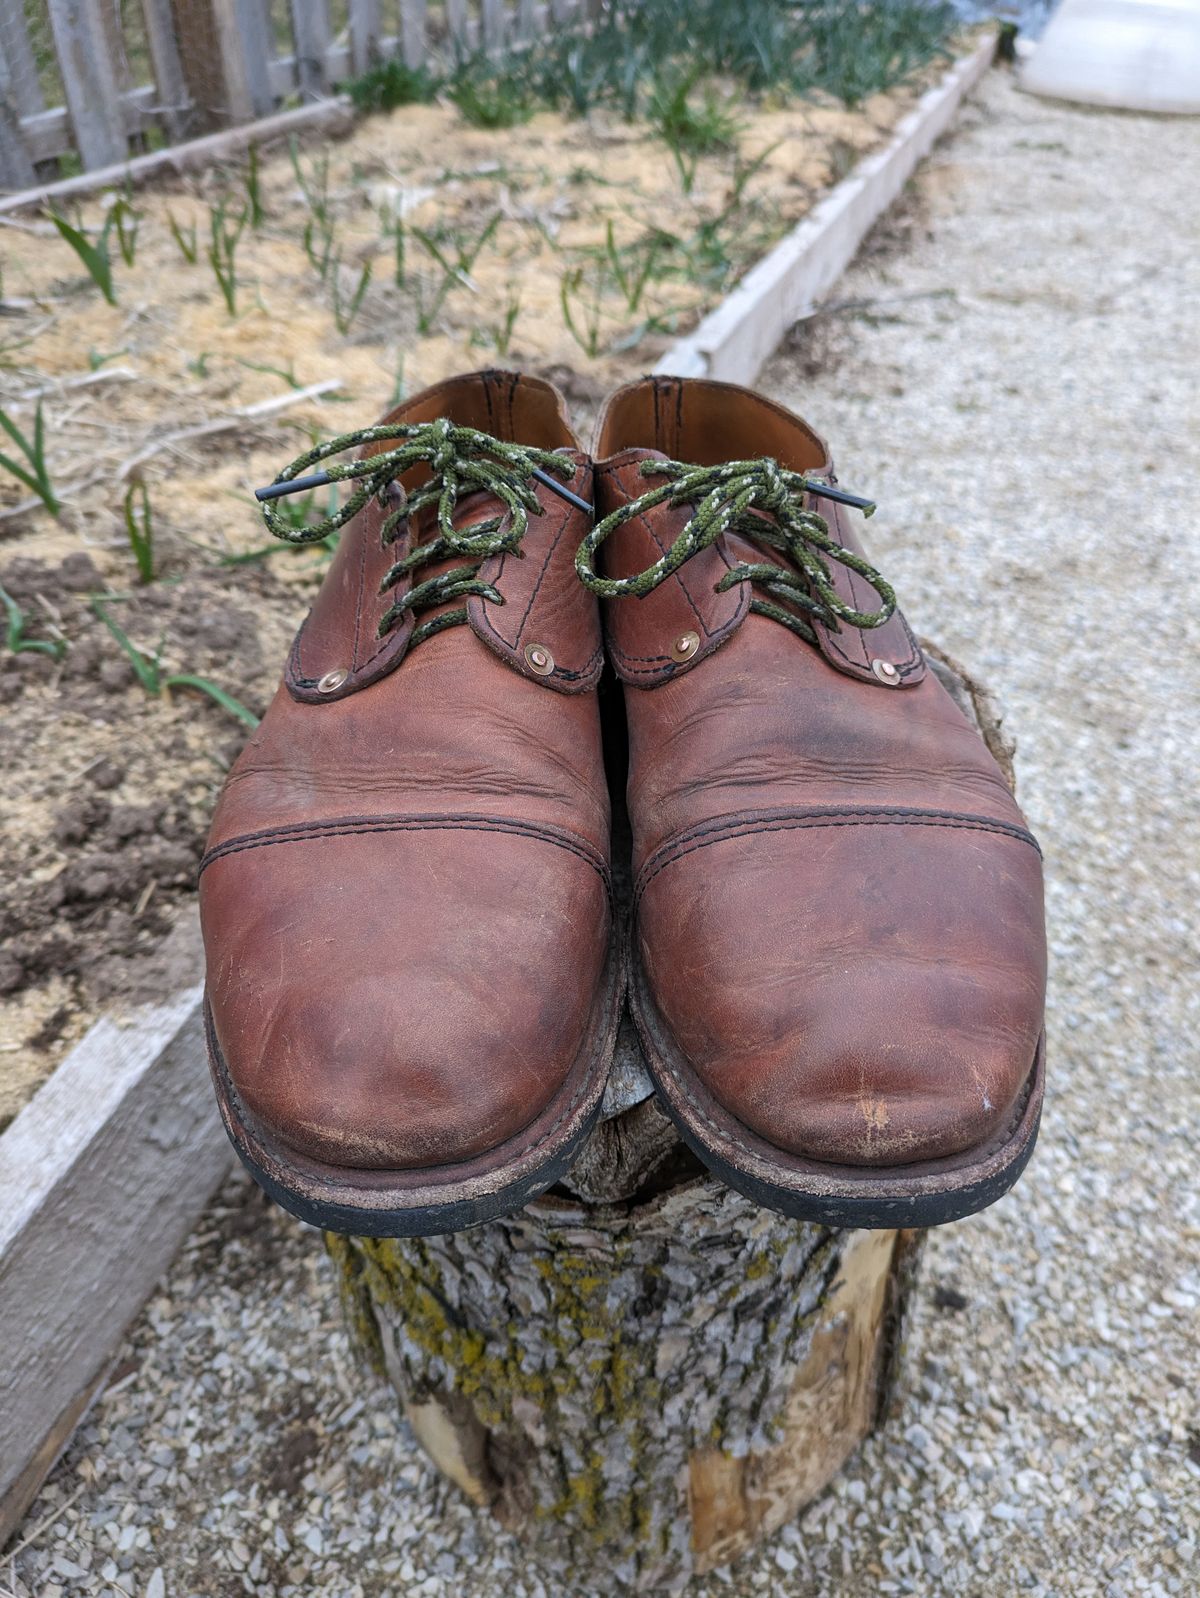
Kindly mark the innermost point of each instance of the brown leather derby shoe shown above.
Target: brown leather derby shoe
(413, 977)
(838, 962)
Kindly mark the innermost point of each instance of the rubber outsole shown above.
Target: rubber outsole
(875, 1197)
(445, 1198)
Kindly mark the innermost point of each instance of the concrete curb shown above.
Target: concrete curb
(734, 342)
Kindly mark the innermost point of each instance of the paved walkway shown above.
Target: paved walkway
(1014, 376)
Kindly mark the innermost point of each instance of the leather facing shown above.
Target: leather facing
(702, 423)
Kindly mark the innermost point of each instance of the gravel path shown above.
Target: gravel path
(1012, 371)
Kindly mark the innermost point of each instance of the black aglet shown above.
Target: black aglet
(827, 491)
(294, 485)
(562, 491)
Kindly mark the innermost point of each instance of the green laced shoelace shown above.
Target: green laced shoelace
(462, 461)
(726, 499)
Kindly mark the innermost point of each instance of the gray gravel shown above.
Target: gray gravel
(1013, 372)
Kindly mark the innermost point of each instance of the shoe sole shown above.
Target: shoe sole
(443, 1198)
(926, 1194)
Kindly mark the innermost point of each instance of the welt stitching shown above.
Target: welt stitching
(351, 829)
(559, 531)
(953, 823)
(306, 828)
(358, 602)
(725, 823)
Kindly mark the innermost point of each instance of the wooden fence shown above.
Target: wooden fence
(86, 84)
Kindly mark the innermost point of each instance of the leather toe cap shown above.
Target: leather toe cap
(866, 995)
(406, 1001)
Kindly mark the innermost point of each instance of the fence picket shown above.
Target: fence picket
(16, 169)
(24, 91)
(89, 81)
(494, 22)
(366, 27)
(458, 26)
(176, 110)
(414, 32)
(310, 30)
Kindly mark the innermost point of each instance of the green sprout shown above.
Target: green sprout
(36, 477)
(139, 529)
(222, 251)
(94, 254)
(157, 683)
(16, 638)
(189, 244)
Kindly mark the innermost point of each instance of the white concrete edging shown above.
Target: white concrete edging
(733, 342)
(105, 1171)
(102, 1176)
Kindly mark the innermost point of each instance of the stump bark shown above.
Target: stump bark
(642, 1373)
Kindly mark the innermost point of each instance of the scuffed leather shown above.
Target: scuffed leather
(838, 905)
(405, 899)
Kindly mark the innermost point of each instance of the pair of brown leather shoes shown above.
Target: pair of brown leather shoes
(415, 973)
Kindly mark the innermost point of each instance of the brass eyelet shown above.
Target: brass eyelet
(888, 674)
(333, 680)
(685, 646)
(539, 659)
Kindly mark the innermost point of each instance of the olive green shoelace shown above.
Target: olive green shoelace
(461, 461)
(727, 499)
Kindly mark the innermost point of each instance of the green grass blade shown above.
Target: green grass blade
(226, 701)
(94, 257)
(144, 669)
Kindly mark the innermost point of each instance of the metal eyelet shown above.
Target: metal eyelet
(685, 647)
(333, 680)
(886, 672)
(539, 659)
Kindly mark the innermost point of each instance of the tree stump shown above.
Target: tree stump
(642, 1373)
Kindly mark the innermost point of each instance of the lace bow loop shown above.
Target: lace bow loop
(460, 461)
(763, 502)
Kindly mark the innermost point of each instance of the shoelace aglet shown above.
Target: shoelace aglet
(294, 485)
(562, 491)
(827, 491)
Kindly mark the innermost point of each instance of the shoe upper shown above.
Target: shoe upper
(838, 905)
(405, 896)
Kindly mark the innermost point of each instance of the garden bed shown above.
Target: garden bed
(577, 249)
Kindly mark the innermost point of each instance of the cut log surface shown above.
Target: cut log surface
(642, 1373)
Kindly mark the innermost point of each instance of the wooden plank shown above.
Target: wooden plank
(16, 169)
(174, 102)
(494, 26)
(733, 342)
(17, 52)
(334, 116)
(366, 28)
(458, 25)
(530, 20)
(102, 1176)
(414, 32)
(89, 81)
(48, 134)
(310, 30)
(225, 49)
